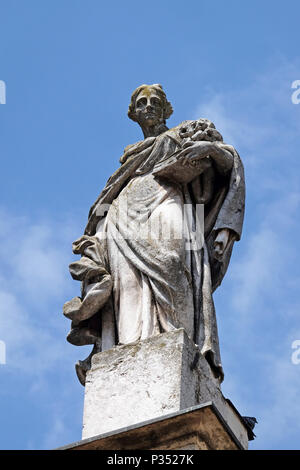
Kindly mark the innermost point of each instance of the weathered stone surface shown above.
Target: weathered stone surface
(148, 379)
(70, 308)
(138, 281)
(156, 246)
(203, 427)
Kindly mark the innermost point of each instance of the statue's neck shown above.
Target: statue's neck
(153, 131)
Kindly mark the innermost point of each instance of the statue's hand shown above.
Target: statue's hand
(221, 242)
(196, 150)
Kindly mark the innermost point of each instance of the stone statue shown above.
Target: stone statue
(144, 267)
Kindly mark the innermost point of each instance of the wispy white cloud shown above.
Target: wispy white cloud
(260, 119)
(234, 130)
(262, 283)
(34, 277)
(56, 434)
(34, 284)
(264, 267)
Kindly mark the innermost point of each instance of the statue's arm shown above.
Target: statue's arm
(222, 158)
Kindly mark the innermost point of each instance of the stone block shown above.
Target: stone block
(146, 380)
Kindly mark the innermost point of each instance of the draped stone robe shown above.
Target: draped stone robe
(159, 284)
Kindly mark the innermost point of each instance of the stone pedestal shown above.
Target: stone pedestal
(148, 380)
(201, 427)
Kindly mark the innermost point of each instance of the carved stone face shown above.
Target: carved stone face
(148, 108)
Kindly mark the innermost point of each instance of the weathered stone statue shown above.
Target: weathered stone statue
(148, 265)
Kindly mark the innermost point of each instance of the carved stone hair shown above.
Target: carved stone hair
(167, 107)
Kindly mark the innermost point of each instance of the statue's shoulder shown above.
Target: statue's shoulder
(136, 148)
(132, 146)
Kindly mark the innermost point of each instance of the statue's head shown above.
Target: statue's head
(149, 106)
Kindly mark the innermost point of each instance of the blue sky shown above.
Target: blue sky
(70, 67)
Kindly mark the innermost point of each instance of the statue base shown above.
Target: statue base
(142, 382)
(202, 427)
